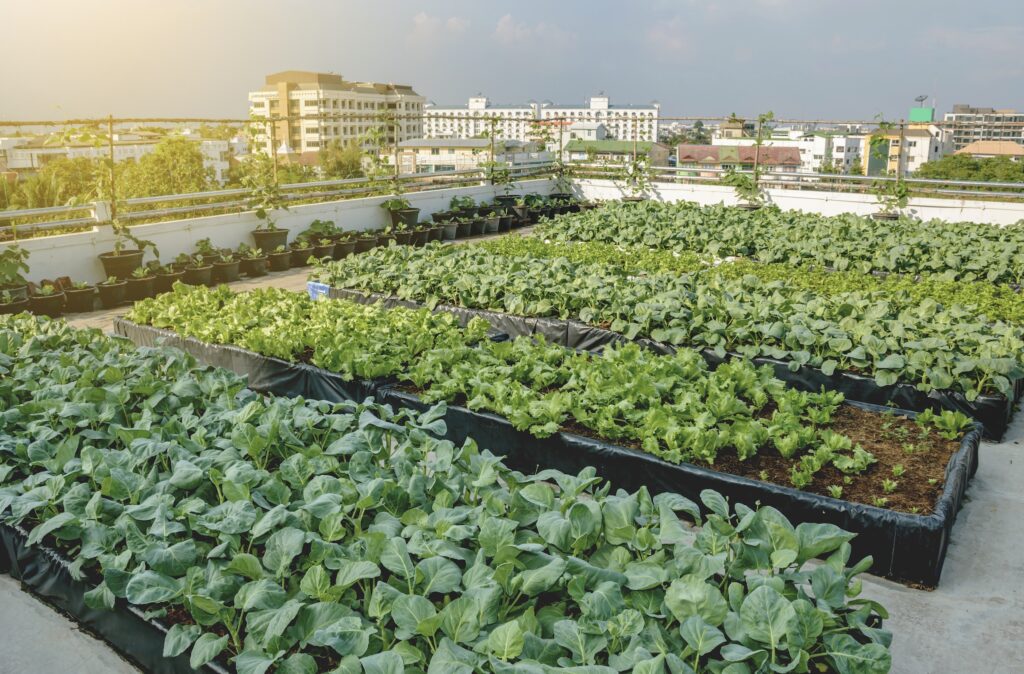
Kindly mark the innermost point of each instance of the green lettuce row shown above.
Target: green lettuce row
(951, 250)
(357, 342)
(892, 338)
(300, 537)
(997, 302)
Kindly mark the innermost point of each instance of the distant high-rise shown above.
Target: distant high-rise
(354, 105)
(970, 124)
(520, 121)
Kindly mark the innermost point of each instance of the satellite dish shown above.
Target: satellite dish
(922, 98)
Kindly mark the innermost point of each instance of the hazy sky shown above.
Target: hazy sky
(799, 58)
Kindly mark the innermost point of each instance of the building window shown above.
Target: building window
(435, 150)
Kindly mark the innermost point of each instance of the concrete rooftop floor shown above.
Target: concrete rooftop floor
(973, 622)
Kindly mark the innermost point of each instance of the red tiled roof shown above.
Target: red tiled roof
(737, 154)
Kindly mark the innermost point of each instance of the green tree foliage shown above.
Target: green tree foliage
(174, 167)
(966, 167)
(340, 161)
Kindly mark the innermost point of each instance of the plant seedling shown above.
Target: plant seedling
(889, 486)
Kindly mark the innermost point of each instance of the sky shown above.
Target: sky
(851, 59)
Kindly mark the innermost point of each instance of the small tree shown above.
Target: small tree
(264, 191)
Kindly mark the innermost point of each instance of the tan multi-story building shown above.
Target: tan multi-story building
(334, 109)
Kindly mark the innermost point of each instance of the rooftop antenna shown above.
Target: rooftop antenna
(921, 99)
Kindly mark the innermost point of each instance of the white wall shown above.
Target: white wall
(76, 255)
(817, 201)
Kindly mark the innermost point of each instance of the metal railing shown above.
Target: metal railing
(214, 202)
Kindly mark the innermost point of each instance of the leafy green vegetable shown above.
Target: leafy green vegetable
(94, 429)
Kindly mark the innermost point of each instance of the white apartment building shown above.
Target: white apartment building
(332, 108)
(817, 149)
(520, 122)
(30, 153)
(431, 155)
(968, 124)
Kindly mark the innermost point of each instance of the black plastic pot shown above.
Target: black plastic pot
(749, 207)
(403, 238)
(79, 300)
(269, 239)
(47, 305)
(451, 231)
(364, 244)
(15, 307)
(407, 215)
(280, 261)
(112, 294)
(18, 292)
(436, 233)
(420, 237)
(507, 200)
(505, 223)
(121, 264)
(320, 252)
(384, 240)
(343, 249)
(300, 256)
(491, 224)
(443, 216)
(254, 266)
(464, 229)
(476, 227)
(199, 276)
(164, 283)
(225, 272)
(139, 289)
(885, 216)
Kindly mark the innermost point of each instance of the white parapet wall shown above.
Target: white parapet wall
(818, 201)
(77, 255)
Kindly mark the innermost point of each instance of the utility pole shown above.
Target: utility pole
(110, 158)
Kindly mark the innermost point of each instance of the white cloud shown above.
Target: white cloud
(512, 32)
(426, 27)
(670, 38)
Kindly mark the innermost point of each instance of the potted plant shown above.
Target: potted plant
(476, 226)
(365, 241)
(449, 230)
(140, 285)
(255, 262)
(443, 216)
(14, 263)
(198, 272)
(264, 198)
(9, 304)
(79, 297)
(47, 301)
(321, 229)
(501, 177)
(892, 197)
(225, 267)
(464, 227)
(421, 234)
(491, 219)
(747, 190)
(324, 248)
(401, 233)
(280, 259)
(528, 207)
(111, 292)
(166, 277)
(345, 245)
(462, 205)
(400, 210)
(301, 252)
(127, 254)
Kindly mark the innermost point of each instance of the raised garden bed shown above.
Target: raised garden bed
(46, 574)
(905, 547)
(994, 412)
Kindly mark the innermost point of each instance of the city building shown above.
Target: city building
(323, 107)
(27, 154)
(616, 151)
(526, 122)
(882, 153)
(820, 151)
(968, 124)
(989, 149)
(431, 155)
(737, 157)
